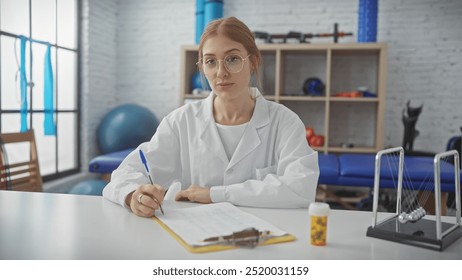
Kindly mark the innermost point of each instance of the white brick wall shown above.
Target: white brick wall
(149, 36)
(424, 66)
(98, 71)
(132, 49)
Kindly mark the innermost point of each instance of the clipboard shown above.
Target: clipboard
(181, 235)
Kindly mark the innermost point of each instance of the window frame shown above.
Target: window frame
(76, 112)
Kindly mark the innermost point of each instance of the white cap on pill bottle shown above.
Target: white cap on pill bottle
(319, 209)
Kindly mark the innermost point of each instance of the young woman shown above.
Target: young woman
(233, 146)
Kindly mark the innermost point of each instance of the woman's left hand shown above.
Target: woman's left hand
(195, 193)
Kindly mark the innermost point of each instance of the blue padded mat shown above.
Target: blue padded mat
(108, 162)
(328, 169)
(416, 168)
(358, 170)
(345, 170)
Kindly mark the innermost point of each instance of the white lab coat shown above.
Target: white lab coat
(273, 166)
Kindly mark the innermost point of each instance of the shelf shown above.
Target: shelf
(270, 97)
(319, 149)
(345, 47)
(352, 150)
(354, 99)
(195, 96)
(302, 98)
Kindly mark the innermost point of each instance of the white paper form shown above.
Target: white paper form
(194, 224)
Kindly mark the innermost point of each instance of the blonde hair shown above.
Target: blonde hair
(237, 31)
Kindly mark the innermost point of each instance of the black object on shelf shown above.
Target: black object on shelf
(410, 117)
(301, 37)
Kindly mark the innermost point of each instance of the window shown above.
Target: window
(54, 22)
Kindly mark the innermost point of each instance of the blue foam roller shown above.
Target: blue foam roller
(367, 20)
(199, 19)
(213, 10)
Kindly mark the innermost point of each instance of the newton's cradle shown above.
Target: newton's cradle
(411, 225)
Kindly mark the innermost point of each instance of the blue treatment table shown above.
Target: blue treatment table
(359, 169)
(343, 170)
(108, 162)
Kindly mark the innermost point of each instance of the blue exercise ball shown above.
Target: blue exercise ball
(89, 187)
(126, 127)
(196, 82)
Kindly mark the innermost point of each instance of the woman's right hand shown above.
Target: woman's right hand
(145, 200)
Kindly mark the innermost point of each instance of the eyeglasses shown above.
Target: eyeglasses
(233, 63)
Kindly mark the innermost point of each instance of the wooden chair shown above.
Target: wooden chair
(21, 172)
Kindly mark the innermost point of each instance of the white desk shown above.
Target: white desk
(63, 226)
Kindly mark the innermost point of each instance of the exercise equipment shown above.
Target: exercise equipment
(126, 126)
(108, 162)
(349, 94)
(309, 132)
(89, 187)
(197, 84)
(367, 20)
(196, 81)
(314, 139)
(206, 11)
(313, 86)
(199, 20)
(301, 37)
(213, 9)
(48, 87)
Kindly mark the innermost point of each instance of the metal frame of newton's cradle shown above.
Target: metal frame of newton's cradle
(427, 233)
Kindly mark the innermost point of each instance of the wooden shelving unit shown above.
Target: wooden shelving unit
(342, 121)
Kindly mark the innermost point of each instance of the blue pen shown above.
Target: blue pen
(145, 163)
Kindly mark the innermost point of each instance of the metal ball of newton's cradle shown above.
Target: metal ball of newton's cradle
(402, 218)
(414, 216)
